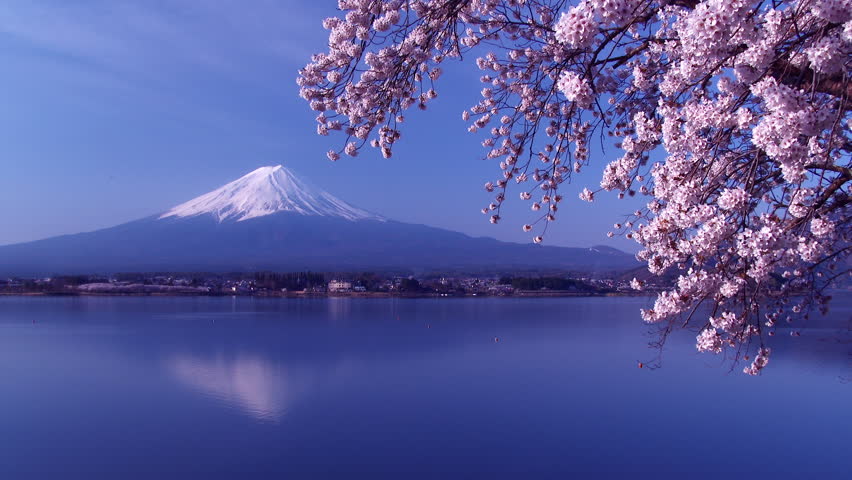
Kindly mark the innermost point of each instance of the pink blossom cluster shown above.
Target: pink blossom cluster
(759, 362)
(834, 11)
(732, 118)
(362, 91)
(575, 89)
(577, 27)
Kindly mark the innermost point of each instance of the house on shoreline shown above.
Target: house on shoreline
(339, 286)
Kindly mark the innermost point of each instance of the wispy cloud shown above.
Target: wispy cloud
(158, 42)
(225, 65)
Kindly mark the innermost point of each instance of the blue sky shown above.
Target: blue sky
(112, 110)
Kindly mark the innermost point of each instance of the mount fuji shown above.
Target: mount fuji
(267, 191)
(272, 220)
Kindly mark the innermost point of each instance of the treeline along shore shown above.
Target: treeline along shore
(314, 284)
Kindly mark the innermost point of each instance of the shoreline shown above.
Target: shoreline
(369, 295)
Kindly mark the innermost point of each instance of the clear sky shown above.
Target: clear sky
(112, 110)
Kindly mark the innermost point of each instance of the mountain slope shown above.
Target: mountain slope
(269, 220)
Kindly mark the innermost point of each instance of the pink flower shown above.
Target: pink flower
(575, 89)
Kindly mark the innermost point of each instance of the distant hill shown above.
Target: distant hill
(271, 220)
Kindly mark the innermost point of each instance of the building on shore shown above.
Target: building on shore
(339, 286)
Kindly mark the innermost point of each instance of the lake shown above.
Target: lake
(159, 387)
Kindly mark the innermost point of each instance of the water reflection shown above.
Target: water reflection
(339, 308)
(249, 383)
(341, 388)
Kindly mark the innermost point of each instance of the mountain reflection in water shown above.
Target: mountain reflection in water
(249, 383)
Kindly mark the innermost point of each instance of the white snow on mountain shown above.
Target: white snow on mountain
(265, 191)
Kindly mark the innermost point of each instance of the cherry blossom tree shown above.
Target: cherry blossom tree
(732, 117)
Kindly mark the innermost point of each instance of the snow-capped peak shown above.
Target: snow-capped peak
(265, 191)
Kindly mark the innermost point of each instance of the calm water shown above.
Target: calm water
(345, 388)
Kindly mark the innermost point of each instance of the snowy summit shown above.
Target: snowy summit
(265, 191)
